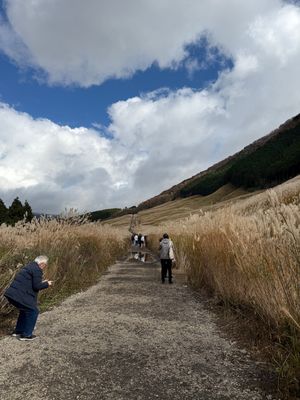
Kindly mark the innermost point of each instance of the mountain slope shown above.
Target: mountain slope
(265, 163)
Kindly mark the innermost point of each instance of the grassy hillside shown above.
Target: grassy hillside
(265, 163)
(178, 209)
(120, 222)
(182, 208)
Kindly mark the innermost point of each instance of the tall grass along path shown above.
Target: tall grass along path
(129, 337)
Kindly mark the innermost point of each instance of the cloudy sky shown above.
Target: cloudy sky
(106, 103)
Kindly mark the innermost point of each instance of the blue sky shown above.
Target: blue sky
(105, 104)
(75, 106)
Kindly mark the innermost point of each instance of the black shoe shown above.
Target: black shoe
(162, 281)
(27, 338)
(170, 282)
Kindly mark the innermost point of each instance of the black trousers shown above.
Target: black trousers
(166, 266)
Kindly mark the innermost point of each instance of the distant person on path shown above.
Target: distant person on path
(23, 293)
(136, 240)
(143, 241)
(132, 239)
(166, 255)
(140, 239)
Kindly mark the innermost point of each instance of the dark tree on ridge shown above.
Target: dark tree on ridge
(16, 211)
(27, 211)
(3, 212)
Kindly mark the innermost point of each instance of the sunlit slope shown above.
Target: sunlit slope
(182, 208)
(225, 196)
(123, 221)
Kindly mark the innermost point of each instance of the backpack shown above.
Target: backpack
(164, 249)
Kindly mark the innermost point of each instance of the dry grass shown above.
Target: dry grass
(78, 252)
(248, 254)
(178, 209)
(119, 222)
(182, 208)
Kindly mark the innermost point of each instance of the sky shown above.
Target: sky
(105, 104)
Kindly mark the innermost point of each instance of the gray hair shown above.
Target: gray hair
(42, 260)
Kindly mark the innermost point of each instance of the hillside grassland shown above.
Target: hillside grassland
(182, 208)
(78, 252)
(178, 209)
(119, 222)
(247, 254)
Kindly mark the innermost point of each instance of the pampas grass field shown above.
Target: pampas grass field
(244, 250)
(248, 255)
(78, 252)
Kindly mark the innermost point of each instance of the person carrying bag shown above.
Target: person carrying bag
(166, 255)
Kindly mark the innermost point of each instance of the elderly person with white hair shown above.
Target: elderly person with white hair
(22, 294)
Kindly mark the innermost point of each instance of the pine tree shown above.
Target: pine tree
(3, 212)
(15, 211)
(28, 211)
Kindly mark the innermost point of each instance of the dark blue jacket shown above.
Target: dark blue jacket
(26, 285)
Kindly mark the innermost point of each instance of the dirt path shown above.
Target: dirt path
(128, 337)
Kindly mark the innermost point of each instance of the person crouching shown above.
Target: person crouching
(23, 293)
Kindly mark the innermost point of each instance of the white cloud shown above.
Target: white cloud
(186, 131)
(87, 42)
(159, 138)
(56, 166)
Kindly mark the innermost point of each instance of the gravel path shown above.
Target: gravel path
(128, 337)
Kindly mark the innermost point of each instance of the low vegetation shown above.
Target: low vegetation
(103, 214)
(248, 255)
(78, 252)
